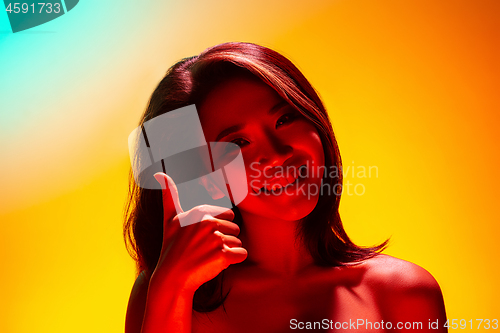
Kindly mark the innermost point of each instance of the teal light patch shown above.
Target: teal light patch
(70, 4)
(28, 14)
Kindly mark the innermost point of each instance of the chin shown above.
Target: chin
(277, 208)
(300, 212)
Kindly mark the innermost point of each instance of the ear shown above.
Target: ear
(211, 188)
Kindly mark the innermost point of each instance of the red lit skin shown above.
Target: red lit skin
(268, 142)
(272, 278)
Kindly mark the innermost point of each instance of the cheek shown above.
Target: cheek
(235, 175)
(321, 152)
(317, 144)
(313, 145)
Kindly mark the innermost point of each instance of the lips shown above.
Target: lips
(277, 184)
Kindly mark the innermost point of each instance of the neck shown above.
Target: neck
(272, 245)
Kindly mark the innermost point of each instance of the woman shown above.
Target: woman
(281, 260)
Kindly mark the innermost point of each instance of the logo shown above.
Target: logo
(205, 173)
(28, 14)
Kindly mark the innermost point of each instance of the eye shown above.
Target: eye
(238, 142)
(286, 118)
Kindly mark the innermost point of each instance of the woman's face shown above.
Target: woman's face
(282, 150)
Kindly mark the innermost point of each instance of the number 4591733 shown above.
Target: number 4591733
(38, 8)
(462, 324)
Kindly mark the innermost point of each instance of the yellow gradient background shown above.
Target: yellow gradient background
(411, 87)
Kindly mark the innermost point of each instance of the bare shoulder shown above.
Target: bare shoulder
(404, 291)
(137, 304)
(398, 275)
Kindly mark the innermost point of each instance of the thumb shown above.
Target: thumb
(235, 255)
(170, 196)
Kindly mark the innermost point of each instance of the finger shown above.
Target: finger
(206, 213)
(216, 211)
(234, 255)
(170, 196)
(231, 241)
(226, 227)
(225, 214)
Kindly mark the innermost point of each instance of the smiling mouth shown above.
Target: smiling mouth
(285, 182)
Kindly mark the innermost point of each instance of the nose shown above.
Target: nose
(274, 152)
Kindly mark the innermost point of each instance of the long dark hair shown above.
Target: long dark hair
(186, 83)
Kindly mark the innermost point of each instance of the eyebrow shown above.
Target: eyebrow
(278, 107)
(237, 128)
(228, 131)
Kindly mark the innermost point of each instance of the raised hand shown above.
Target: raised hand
(198, 252)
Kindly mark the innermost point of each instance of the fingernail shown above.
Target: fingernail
(159, 178)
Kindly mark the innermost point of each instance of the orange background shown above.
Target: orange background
(411, 87)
